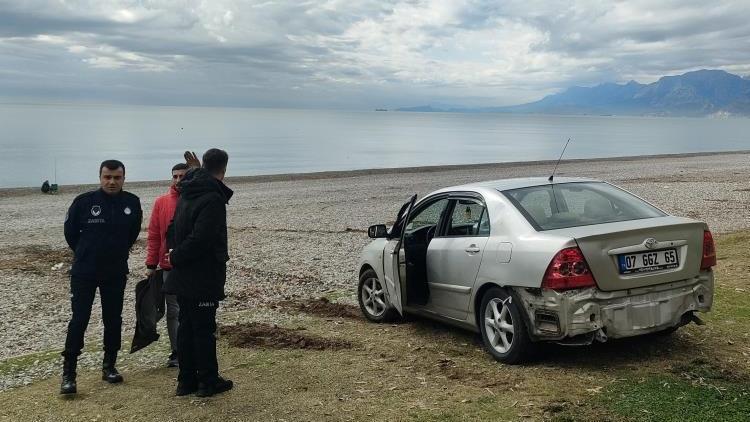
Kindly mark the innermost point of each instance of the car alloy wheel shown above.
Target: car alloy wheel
(372, 298)
(498, 323)
(503, 326)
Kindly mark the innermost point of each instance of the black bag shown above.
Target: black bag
(149, 309)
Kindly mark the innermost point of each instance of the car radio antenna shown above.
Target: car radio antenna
(552, 176)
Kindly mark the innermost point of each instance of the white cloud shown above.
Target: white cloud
(465, 51)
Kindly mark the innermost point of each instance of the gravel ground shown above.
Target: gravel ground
(299, 236)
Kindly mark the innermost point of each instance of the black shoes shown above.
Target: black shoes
(172, 362)
(207, 390)
(185, 388)
(109, 372)
(68, 385)
(203, 389)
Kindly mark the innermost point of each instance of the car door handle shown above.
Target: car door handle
(472, 249)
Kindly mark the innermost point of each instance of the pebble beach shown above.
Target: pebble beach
(299, 236)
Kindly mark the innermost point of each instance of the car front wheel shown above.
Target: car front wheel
(373, 300)
(503, 327)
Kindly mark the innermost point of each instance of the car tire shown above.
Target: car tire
(373, 300)
(503, 327)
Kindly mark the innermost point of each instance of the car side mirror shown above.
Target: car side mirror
(377, 231)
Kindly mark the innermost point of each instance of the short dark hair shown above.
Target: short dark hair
(180, 166)
(215, 160)
(112, 165)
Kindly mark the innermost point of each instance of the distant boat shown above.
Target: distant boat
(381, 109)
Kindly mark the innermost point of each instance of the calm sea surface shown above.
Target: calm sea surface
(149, 140)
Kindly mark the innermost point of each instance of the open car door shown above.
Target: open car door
(391, 254)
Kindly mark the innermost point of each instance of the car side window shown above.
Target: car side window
(469, 218)
(429, 216)
(484, 223)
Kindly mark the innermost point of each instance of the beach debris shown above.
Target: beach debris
(58, 266)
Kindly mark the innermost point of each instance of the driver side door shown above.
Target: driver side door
(391, 256)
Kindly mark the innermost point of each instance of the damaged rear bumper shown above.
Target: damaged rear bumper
(580, 316)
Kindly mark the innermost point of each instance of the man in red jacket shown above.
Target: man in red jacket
(161, 216)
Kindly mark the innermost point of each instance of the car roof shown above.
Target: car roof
(508, 184)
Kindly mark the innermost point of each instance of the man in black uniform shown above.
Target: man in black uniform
(100, 228)
(199, 266)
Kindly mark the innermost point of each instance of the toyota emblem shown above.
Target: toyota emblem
(650, 243)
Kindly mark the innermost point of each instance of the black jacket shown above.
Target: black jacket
(100, 229)
(200, 249)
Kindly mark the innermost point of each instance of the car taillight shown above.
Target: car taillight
(709, 251)
(568, 270)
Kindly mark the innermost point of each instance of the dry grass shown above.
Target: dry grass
(426, 371)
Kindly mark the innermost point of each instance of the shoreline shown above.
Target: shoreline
(339, 174)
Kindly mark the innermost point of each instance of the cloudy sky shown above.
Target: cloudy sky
(355, 54)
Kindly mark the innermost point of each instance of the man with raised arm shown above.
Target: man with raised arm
(198, 263)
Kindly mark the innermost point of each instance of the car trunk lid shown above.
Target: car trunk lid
(604, 244)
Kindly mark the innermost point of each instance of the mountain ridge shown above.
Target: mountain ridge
(698, 93)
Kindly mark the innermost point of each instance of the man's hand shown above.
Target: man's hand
(149, 272)
(192, 160)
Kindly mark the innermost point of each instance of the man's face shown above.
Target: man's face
(177, 175)
(221, 176)
(111, 181)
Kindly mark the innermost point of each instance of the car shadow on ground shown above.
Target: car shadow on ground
(613, 353)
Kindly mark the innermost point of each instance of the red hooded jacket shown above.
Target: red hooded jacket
(161, 216)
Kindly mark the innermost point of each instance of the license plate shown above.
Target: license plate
(643, 262)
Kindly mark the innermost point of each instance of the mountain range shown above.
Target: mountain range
(698, 93)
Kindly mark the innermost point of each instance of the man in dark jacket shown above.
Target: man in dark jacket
(100, 227)
(199, 266)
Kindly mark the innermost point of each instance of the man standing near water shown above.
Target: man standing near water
(100, 227)
(198, 263)
(161, 217)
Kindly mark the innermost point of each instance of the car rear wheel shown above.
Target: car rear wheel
(503, 327)
(373, 300)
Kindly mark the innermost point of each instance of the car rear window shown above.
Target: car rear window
(563, 205)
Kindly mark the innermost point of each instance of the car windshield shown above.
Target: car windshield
(564, 205)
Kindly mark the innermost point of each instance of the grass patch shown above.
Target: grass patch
(667, 398)
(20, 363)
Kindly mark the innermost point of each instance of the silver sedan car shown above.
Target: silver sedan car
(523, 261)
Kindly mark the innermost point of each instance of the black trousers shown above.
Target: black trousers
(82, 292)
(196, 341)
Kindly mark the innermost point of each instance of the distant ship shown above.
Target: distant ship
(381, 109)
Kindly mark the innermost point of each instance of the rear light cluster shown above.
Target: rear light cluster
(568, 270)
(709, 251)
